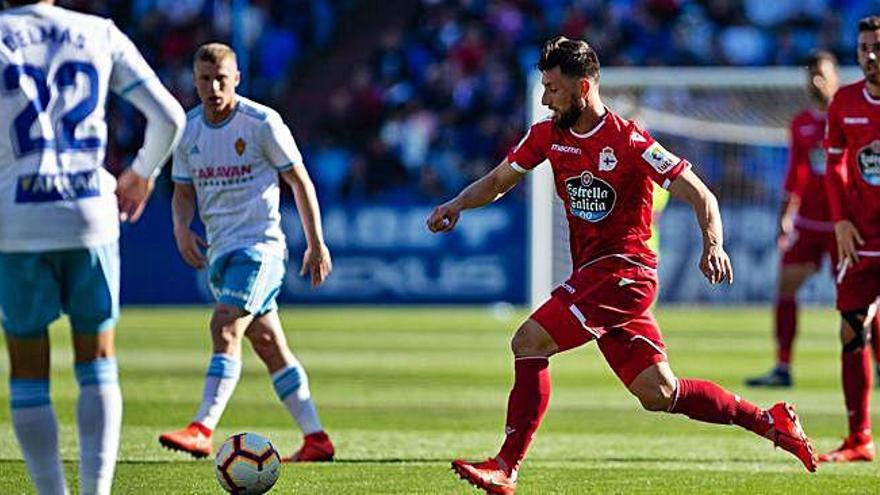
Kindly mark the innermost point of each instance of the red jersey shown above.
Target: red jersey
(805, 177)
(604, 179)
(852, 141)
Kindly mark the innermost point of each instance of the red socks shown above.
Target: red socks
(525, 407)
(856, 368)
(786, 327)
(705, 401)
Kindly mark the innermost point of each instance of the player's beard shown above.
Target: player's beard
(872, 73)
(568, 118)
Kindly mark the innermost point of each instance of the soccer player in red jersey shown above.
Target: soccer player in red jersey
(806, 232)
(604, 167)
(852, 141)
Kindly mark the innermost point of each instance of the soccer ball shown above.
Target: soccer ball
(247, 464)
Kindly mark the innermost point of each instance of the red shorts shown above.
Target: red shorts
(860, 285)
(608, 300)
(809, 246)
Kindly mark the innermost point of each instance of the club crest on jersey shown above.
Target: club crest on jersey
(658, 157)
(240, 146)
(589, 197)
(817, 160)
(868, 159)
(607, 160)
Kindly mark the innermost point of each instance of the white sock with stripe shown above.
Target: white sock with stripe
(292, 386)
(99, 421)
(36, 429)
(220, 382)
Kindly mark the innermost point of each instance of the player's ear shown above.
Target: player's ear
(237, 78)
(584, 85)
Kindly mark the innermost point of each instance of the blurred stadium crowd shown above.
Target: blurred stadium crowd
(442, 98)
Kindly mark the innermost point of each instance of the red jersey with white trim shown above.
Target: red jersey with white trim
(805, 177)
(604, 179)
(852, 141)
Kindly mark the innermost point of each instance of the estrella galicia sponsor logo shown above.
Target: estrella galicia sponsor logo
(590, 198)
(868, 159)
(43, 188)
(573, 150)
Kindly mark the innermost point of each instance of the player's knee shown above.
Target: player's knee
(264, 342)
(531, 340)
(853, 335)
(656, 398)
(224, 330)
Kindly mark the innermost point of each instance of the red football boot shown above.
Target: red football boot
(195, 440)
(487, 475)
(788, 434)
(856, 447)
(316, 447)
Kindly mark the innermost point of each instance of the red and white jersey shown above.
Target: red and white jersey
(604, 179)
(805, 177)
(852, 140)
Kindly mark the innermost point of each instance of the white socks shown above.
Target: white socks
(99, 420)
(223, 374)
(292, 386)
(37, 431)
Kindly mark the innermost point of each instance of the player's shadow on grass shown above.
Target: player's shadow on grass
(401, 460)
(634, 460)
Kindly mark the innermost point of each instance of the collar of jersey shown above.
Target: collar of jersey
(871, 99)
(592, 131)
(224, 121)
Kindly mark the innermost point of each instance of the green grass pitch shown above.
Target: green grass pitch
(403, 391)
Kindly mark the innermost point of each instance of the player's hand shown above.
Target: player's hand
(191, 247)
(317, 262)
(444, 217)
(783, 236)
(715, 265)
(848, 240)
(132, 193)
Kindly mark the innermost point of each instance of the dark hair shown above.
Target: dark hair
(817, 56)
(575, 58)
(19, 3)
(870, 23)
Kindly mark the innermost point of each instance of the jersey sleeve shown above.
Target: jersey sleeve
(278, 144)
(661, 165)
(180, 170)
(798, 156)
(530, 152)
(836, 178)
(129, 67)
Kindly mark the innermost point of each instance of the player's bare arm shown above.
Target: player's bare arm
(481, 192)
(714, 262)
(787, 211)
(190, 244)
(316, 259)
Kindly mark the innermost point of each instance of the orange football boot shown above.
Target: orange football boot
(788, 434)
(316, 447)
(195, 440)
(488, 475)
(856, 447)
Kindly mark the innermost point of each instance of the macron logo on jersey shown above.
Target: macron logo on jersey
(637, 137)
(566, 149)
(195, 150)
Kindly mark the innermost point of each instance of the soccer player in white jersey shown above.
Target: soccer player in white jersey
(59, 220)
(229, 160)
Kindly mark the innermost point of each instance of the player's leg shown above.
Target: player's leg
(29, 302)
(799, 261)
(231, 278)
(553, 328)
(636, 354)
(875, 347)
(291, 383)
(91, 299)
(855, 329)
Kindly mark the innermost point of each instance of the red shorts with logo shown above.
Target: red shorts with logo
(809, 246)
(860, 285)
(608, 300)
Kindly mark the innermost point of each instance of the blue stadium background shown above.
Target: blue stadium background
(397, 104)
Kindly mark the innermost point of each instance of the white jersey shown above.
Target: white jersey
(56, 67)
(234, 167)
